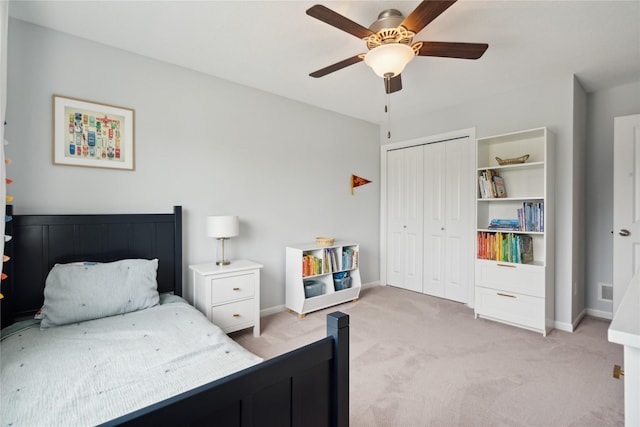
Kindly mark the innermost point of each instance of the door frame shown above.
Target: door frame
(442, 137)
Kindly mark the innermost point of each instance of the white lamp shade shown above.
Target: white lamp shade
(389, 59)
(223, 226)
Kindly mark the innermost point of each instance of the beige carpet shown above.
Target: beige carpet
(423, 361)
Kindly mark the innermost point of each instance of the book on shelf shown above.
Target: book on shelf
(501, 190)
(330, 260)
(505, 247)
(311, 265)
(526, 249)
(349, 259)
(531, 216)
(491, 185)
(504, 224)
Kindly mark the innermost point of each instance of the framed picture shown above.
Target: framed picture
(90, 134)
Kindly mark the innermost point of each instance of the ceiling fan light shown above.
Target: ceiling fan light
(389, 59)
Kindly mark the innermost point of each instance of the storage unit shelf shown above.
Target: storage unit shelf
(489, 230)
(511, 199)
(527, 165)
(324, 274)
(341, 257)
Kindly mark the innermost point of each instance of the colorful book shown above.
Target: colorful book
(501, 190)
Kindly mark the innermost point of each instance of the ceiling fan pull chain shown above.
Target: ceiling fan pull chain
(387, 108)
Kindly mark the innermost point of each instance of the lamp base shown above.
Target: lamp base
(223, 261)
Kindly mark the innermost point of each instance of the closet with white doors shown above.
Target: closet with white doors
(428, 216)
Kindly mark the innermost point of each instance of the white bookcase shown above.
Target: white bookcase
(509, 289)
(296, 275)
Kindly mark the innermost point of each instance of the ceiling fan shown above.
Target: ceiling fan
(390, 40)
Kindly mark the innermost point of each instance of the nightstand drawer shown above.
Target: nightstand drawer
(231, 316)
(232, 288)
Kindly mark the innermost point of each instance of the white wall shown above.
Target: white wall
(550, 104)
(209, 145)
(603, 106)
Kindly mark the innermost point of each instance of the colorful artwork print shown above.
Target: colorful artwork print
(92, 135)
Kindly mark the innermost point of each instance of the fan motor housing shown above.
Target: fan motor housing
(387, 30)
(389, 18)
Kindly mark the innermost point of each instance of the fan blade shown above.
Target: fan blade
(337, 66)
(334, 19)
(426, 12)
(394, 84)
(453, 50)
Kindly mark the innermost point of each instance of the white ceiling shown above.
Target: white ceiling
(274, 45)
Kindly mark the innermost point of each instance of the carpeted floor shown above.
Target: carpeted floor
(417, 360)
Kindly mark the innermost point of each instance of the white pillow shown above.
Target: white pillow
(83, 291)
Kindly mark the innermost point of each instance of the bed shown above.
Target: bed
(136, 367)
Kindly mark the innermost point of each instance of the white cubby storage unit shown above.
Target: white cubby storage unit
(516, 291)
(296, 274)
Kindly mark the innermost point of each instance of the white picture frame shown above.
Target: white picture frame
(92, 134)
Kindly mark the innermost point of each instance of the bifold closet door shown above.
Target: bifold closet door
(405, 181)
(448, 219)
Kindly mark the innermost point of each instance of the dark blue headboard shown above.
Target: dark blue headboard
(40, 241)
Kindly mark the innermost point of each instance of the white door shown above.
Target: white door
(434, 220)
(404, 218)
(626, 203)
(448, 219)
(460, 190)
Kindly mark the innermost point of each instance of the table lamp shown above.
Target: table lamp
(222, 228)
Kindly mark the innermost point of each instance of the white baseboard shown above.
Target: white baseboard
(272, 310)
(370, 284)
(599, 313)
(563, 326)
(570, 327)
(578, 319)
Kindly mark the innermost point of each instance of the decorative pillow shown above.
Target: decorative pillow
(83, 291)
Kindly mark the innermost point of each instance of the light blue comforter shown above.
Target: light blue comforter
(88, 373)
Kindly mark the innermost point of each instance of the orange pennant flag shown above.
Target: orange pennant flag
(8, 181)
(356, 181)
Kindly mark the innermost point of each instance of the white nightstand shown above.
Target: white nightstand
(229, 295)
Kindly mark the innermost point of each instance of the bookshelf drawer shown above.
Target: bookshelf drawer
(523, 279)
(510, 307)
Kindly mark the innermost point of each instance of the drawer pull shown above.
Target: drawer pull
(236, 315)
(506, 295)
(236, 289)
(506, 265)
